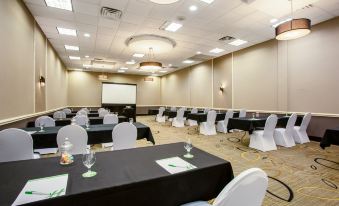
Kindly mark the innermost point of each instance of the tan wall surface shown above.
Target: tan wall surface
(85, 88)
(40, 69)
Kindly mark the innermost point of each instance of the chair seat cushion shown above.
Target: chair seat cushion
(197, 203)
(259, 132)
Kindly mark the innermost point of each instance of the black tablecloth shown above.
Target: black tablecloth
(125, 177)
(67, 121)
(172, 114)
(153, 111)
(96, 134)
(331, 136)
(71, 115)
(202, 117)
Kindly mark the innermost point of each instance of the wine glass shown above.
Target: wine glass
(131, 120)
(87, 124)
(253, 116)
(42, 127)
(188, 147)
(88, 159)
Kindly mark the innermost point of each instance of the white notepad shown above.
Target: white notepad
(42, 188)
(175, 165)
(31, 132)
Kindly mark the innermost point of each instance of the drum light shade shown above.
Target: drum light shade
(164, 1)
(293, 29)
(150, 66)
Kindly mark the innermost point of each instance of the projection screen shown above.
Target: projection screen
(114, 93)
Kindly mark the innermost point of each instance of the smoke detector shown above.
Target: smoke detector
(111, 13)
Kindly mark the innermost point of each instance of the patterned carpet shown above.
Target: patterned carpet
(301, 175)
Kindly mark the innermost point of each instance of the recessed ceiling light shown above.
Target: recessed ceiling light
(73, 48)
(138, 55)
(60, 4)
(86, 65)
(237, 42)
(121, 71)
(163, 71)
(198, 52)
(173, 27)
(207, 1)
(193, 8)
(187, 61)
(87, 35)
(169, 65)
(86, 56)
(281, 22)
(130, 62)
(70, 32)
(164, 1)
(273, 20)
(216, 50)
(74, 58)
(123, 68)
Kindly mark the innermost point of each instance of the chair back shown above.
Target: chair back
(211, 116)
(124, 136)
(85, 109)
(161, 111)
(194, 110)
(206, 110)
(76, 135)
(270, 125)
(180, 113)
(229, 114)
(173, 109)
(15, 144)
(81, 119)
(59, 115)
(111, 119)
(240, 190)
(242, 113)
(100, 109)
(305, 122)
(46, 121)
(103, 113)
(67, 111)
(290, 123)
(82, 112)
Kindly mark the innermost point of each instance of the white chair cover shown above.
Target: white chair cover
(85, 109)
(208, 127)
(160, 116)
(124, 136)
(111, 119)
(100, 109)
(193, 122)
(299, 134)
(242, 113)
(284, 136)
(15, 144)
(81, 119)
(173, 109)
(103, 113)
(46, 121)
(222, 125)
(67, 111)
(59, 115)
(179, 120)
(206, 110)
(76, 135)
(263, 140)
(82, 112)
(239, 192)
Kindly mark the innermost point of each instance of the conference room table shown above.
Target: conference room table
(331, 136)
(124, 177)
(172, 114)
(67, 121)
(71, 115)
(97, 134)
(202, 117)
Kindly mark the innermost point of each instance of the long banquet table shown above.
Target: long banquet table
(96, 134)
(331, 136)
(71, 115)
(202, 117)
(125, 177)
(67, 121)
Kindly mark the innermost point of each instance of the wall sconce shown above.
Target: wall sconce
(42, 81)
(221, 88)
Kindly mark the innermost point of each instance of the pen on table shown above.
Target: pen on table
(35, 193)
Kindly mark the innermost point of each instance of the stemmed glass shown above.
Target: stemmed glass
(88, 159)
(42, 127)
(188, 147)
(253, 116)
(87, 124)
(131, 120)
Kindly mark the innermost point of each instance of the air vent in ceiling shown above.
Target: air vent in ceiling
(102, 64)
(200, 57)
(111, 13)
(247, 1)
(227, 38)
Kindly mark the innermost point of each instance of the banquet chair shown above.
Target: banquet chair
(263, 139)
(124, 136)
(208, 127)
(299, 133)
(179, 120)
(103, 113)
(193, 122)
(242, 113)
(206, 110)
(76, 135)
(59, 115)
(80, 119)
(82, 112)
(85, 109)
(67, 111)
(46, 121)
(284, 136)
(111, 119)
(160, 116)
(173, 109)
(101, 109)
(239, 192)
(16, 144)
(222, 125)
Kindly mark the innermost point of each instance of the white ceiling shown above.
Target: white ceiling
(200, 32)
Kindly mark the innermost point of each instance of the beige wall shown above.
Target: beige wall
(85, 88)
(22, 61)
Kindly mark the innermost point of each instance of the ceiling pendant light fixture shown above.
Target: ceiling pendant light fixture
(293, 29)
(150, 65)
(164, 1)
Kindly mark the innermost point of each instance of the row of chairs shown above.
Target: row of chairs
(17, 144)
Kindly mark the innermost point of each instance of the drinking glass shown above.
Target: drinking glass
(42, 127)
(87, 124)
(88, 159)
(253, 116)
(188, 147)
(131, 120)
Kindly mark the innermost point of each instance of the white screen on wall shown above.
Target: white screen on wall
(118, 94)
